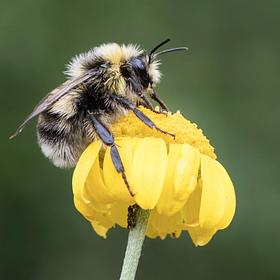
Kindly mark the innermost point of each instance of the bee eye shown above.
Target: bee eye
(125, 71)
(145, 80)
(139, 68)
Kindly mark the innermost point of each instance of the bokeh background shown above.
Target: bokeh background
(228, 83)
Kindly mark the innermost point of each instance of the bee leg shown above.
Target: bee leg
(161, 103)
(108, 139)
(128, 105)
(147, 104)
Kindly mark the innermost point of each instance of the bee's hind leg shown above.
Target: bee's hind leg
(108, 139)
(128, 105)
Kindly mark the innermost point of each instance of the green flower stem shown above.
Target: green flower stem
(135, 241)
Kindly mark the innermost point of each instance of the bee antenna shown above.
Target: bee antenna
(172, 50)
(157, 47)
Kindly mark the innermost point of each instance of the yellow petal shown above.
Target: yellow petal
(95, 185)
(119, 213)
(152, 233)
(148, 171)
(199, 236)
(181, 179)
(230, 200)
(212, 204)
(85, 208)
(166, 204)
(190, 212)
(161, 225)
(185, 179)
(99, 229)
(113, 180)
(100, 216)
(82, 169)
(213, 200)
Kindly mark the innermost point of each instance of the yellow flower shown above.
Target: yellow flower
(179, 180)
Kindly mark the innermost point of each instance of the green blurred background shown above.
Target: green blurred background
(228, 83)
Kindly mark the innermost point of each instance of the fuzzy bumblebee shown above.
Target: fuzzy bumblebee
(103, 84)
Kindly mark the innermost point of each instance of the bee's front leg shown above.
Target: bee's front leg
(108, 139)
(147, 104)
(140, 115)
(161, 103)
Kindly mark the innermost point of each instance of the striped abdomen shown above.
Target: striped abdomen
(61, 140)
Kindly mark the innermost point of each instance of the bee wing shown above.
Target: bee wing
(53, 96)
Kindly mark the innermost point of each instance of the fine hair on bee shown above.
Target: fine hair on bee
(103, 84)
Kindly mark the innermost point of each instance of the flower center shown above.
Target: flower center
(185, 131)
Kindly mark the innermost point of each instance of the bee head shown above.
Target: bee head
(141, 70)
(139, 73)
(130, 65)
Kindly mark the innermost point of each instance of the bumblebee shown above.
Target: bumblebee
(103, 84)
